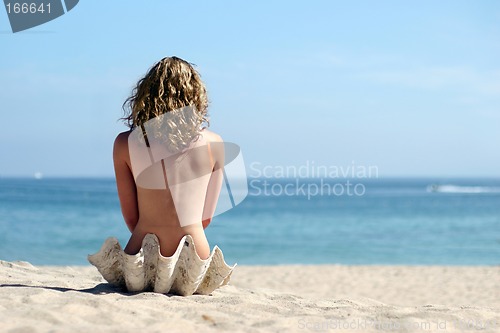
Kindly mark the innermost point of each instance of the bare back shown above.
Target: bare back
(172, 197)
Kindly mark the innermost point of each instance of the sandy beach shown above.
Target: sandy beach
(292, 298)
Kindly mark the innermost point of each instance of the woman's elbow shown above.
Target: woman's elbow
(131, 224)
(131, 221)
(206, 223)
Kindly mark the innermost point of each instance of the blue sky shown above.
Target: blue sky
(412, 88)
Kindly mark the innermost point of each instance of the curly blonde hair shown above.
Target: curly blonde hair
(171, 85)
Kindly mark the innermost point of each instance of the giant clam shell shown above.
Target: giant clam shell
(183, 273)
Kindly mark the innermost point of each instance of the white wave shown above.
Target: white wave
(462, 189)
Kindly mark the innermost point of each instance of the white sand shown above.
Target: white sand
(258, 299)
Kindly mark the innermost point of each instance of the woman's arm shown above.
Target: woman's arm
(125, 183)
(215, 183)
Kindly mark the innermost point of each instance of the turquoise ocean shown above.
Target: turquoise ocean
(421, 221)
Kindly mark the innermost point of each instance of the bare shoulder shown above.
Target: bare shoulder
(122, 137)
(211, 136)
(120, 146)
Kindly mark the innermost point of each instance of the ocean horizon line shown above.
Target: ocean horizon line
(389, 177)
